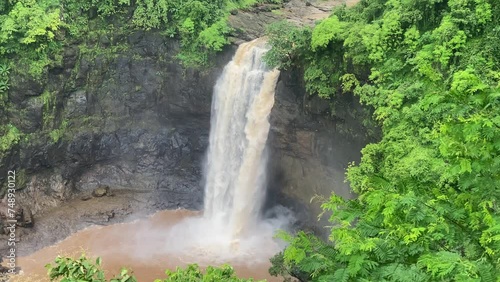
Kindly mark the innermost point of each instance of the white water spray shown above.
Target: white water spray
(243, 99)
(231, 228)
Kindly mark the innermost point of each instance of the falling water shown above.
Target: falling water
(243, 99)
(230, 228)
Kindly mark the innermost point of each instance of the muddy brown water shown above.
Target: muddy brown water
(126, 245)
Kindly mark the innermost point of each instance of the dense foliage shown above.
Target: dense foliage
(192, 273)
(34, 30)
(68, 269)
(83, 269)
(28, 31)
(34, 34)
(428, 205)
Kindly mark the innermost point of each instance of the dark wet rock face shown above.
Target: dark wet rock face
(311, 149)
(131, 121)
(136, 122)
(126, 134)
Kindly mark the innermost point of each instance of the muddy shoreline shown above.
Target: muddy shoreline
(58, 223)
(140, 244)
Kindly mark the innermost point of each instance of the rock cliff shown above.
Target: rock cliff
(130, 118)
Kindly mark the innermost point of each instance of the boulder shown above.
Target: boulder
(101, 191)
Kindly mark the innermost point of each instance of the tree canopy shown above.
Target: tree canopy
(428, 192)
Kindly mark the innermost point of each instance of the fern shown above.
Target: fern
(428, 190)
(340, 275)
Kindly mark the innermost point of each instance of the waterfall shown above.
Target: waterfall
(235, 168)
(235, 173)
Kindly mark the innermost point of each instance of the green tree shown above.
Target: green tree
(428, 191)
(289, 43)
(27, 31)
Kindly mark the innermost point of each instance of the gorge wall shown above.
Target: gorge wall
(134, 120)
(311, 147)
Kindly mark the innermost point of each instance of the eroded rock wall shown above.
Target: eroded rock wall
(311, 148)
(134, 120)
